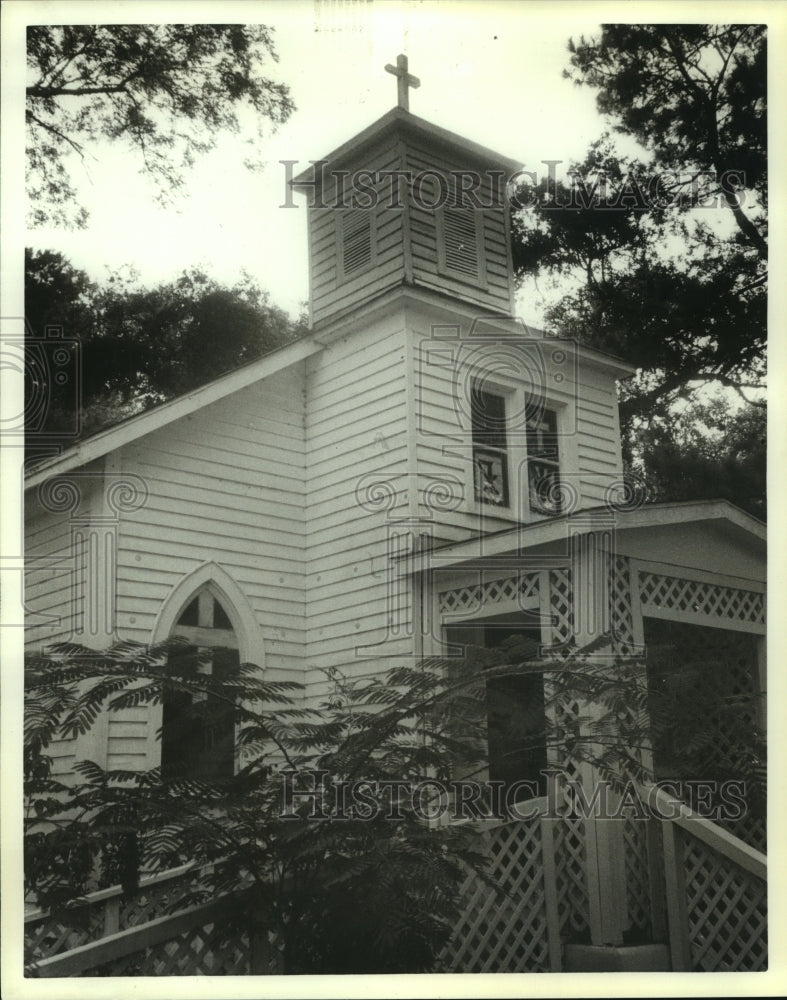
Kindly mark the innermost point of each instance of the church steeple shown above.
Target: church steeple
(407, 203)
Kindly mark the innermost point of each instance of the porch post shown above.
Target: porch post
(591, 547)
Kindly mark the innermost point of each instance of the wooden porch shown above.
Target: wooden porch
(690, 885)
(682, 885)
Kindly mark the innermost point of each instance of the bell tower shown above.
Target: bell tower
(406, 203)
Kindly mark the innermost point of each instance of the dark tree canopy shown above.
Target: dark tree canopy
(662, 259)
(695, 96)
(656, 286)
(141, 346)
(167, 90)
(706, 450)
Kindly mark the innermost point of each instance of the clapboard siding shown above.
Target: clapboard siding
(356, 430)
(331, 291)
(493, 290)
(587, 407)
(226, 485)
(51, 589)
(218, 493)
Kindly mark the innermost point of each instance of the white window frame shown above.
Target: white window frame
(514, 452)
(560, 462)
(518, 508)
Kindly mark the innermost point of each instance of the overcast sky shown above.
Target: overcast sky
(490, 71)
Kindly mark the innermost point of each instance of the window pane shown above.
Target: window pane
(190, 614)
(490, 477)
(544, 487)
(220, 619)
(542, 434)
(488, 412)
(198, 734)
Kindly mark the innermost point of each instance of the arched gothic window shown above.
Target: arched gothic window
(198, 730)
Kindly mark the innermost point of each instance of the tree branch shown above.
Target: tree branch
(51, 128)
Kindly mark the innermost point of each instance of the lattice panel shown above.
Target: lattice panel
(194, 953)
(561, 605)
(750, 829)
(728, 917)
(508, 933)
(635, 757)
(200, 951)
(571, 876)
(696, 597)
(712, 668)
(570, 857)
(635, 841)
(154, 901)
(563, 714)
(477, 596)
(621, 620)
(52, 935)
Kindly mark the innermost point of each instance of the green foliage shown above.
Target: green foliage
(353, 889)
(694, 95)
(141, 346)
(342, 895)
(706, 451)
(165, 90)
(662, 259)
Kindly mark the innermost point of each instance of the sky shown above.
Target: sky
(489, 71)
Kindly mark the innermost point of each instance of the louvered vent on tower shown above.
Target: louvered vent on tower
(461, 246)
(356, 239)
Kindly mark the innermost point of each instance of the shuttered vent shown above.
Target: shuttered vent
(357, 240)
(461, 248)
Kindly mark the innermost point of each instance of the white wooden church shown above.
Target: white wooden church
(421, 469)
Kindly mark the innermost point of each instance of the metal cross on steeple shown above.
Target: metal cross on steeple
(403, 81)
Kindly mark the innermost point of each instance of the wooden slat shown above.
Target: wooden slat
(550, 893)
(677, 907)
(703, 829)
(127, 942)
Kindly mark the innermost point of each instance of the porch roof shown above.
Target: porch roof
(511, 543)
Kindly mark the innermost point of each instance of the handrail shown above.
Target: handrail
(127, 942)
(672, 810)
(112, 891)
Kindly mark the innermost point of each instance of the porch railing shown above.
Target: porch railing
(191, 942)
(716, 895)
(697, 888)
(105, 912)
(690, 885)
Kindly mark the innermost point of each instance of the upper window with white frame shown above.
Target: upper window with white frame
(490, 447)
(543, 458)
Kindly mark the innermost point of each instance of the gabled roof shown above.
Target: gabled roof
(137, 426)
(511, 542)
(399, 118)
